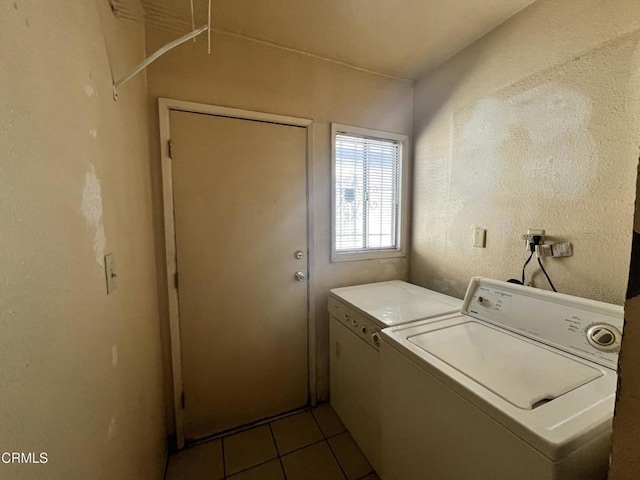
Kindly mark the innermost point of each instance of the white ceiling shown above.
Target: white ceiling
(400, 38)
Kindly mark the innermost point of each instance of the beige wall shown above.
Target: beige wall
(75, 184)
(243, 74)
(537, 125)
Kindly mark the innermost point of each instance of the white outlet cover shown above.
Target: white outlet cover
(479, 237)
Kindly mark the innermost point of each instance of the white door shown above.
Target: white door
(240, 216)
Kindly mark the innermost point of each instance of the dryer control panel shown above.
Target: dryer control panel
(355, 322)
(583, 327)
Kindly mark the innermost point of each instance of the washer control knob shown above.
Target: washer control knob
(354, 322)
(364, 329)
(375, 338)
(604, 337)
(346, 317)
(482, 300)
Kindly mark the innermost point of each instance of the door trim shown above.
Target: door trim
(165, 105)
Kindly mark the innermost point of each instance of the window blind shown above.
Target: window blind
(367, 193)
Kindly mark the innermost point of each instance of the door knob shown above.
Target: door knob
(299, 276)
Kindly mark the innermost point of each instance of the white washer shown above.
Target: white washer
(358, 314)
(520, 385)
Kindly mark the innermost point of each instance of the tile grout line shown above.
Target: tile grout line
(278, 454)
(273, 436)
(224, 462)
(318, 424)
(269, 423)
(250, 468)
(322, 431)
(257, 464)
(243, 428)
(327, 437)
(302, 448)
(326, 440)
(337, 461)
(331, 448)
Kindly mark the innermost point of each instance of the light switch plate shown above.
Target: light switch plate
(110, 272)
(479, 237)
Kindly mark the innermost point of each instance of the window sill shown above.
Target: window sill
(366, 255)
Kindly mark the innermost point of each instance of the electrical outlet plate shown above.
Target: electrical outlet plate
(110, 272)
(479, 237)
(528, 237)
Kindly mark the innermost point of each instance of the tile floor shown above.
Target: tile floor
(311, 445)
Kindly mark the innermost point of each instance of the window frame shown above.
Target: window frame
(403, 213)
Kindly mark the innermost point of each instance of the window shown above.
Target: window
(368, 211)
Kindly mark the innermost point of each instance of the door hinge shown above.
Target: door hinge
(182, 402)
(175, 279)
(170, 143)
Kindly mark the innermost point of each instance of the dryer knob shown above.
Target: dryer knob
(354, 322)
(375, 338)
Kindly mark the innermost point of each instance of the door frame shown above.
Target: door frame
(165, 105)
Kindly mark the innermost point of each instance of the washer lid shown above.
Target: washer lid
(396, 302)
(523, 373)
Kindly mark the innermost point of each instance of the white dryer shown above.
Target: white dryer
(520, 385)
(357, 314)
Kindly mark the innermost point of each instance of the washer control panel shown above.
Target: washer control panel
(355, 322)
(587, 328)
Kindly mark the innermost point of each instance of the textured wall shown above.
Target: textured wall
(252, 76)
(536, 125)
(80, 371)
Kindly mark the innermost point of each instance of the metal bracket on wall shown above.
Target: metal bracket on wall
(161, 51)
(154, 56)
